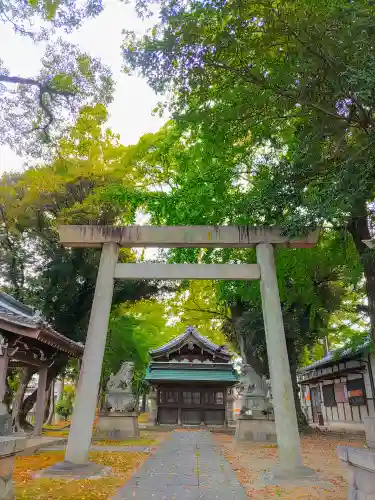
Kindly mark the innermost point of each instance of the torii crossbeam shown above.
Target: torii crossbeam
(111, 238)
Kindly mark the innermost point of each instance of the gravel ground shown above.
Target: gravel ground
(318, 451)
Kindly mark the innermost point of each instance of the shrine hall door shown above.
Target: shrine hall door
(191, 405)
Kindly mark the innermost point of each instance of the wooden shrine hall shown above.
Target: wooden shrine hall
(27, 340)
(191, 380)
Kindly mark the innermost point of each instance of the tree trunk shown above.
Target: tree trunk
(301, 417)
(18, 399)
(60, 388)
(51, 403)
(358, 228)
(101, 398)
(9, 396)
(59, 394)
(29, 402)
(26, 406)
(143, 404)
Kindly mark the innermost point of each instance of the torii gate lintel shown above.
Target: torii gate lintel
(112, 238)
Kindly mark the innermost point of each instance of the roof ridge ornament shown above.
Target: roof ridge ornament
(183, 339)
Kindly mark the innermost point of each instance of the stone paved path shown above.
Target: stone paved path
(186, 466)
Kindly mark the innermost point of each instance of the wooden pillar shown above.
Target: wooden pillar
(40, 401)
(4, 360)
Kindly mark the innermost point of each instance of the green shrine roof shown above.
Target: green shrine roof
(186, 375)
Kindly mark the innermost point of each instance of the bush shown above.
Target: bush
(64, 406)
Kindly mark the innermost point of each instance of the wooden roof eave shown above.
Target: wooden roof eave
(43, 335)
(175, 349)
(59, 343)
(159, 353)
(18, 328)
(24, 360)
(353, 370)
(182, 339)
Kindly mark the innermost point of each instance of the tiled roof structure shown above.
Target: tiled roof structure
(180, 339)
(337, 355)
(19, 318)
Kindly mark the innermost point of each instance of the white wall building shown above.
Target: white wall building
(338, 391)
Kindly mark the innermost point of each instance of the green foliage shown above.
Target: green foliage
(276, 106)
(36, 269)
(36, 110)
(51, 100)
(37, 19)
(133, 330)
(283, 90)
(136, 328)
(64, 405)
(274, 126)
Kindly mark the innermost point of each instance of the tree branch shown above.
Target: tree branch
(208, 311)
(19, 80)
(44, 89)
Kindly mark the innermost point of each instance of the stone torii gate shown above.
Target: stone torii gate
(111, 238)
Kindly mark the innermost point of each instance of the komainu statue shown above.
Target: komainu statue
(254, 393)
(119, 395)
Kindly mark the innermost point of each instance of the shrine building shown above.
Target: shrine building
(191, 382)
(26, 340)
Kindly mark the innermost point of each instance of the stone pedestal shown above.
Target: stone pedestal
(9, 446)
(361, 464)
(117, 425)
(369, 423)
(119, 400)
(5, 424)
(257, 430)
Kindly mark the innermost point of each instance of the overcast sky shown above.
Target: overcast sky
(130, 112)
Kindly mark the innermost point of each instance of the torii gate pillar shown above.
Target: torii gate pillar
(88, 386)
(288, 440)
(111, 238)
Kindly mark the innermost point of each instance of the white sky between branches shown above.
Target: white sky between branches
(131, 110)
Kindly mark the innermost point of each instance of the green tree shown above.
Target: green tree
(197, 304)
(36, 19)
(64, 405)
(36, 109)
(36, 269)
(314, 284)
(134, 329)
(282, 87)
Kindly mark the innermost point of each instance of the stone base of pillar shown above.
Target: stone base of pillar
(369, 424)
(253, 429)
(9, 446)
(297, 476)
(361, 464)
(68, 470)
(117, 425)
